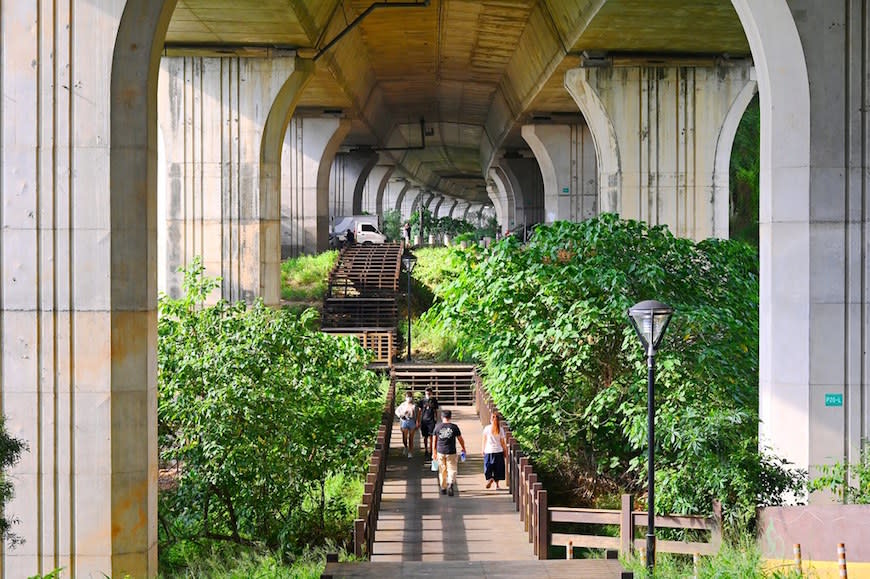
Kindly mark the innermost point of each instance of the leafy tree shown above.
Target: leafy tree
(548, 320)
(744, 172)
(257, 410)
(10, 451)
(392, 224)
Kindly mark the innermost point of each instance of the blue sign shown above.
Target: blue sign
(833, 399)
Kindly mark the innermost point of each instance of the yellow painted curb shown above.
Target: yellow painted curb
(821, 569)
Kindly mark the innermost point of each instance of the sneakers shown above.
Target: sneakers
(443, 491)
(450, 490)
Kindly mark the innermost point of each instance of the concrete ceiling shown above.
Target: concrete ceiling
(475, 70)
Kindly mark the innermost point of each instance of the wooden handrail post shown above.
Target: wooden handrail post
(626, 526)
(543, 525)
(359, 539)
(716, 532)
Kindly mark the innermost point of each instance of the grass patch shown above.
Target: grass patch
(303, 278)
(740, 559)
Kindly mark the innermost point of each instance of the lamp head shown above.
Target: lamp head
(650, 319)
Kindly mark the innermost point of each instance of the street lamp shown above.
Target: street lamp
(409, 261)
(650, 320)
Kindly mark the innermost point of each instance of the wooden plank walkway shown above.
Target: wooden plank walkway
(475, 534)
(417, 523)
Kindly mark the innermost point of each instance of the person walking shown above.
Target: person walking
(494, 452)
(407, 412)
(446, 435)
(428, 419)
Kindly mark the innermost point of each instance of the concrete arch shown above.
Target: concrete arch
(784, 224)
(438, 206)
(453, 208)
(506, 189)
(382, 185)
(603, 136)
(722, 162)
(127, 468)
(400, 198)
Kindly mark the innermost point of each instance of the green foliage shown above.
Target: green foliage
(548, 320)
(838, 478)
(303, 278)
(422, 222)
(452, 227)
(392, 221)
(743, 177)
(258, 412)
(10, 451)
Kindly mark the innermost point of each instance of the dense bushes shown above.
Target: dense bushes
(548, 319)
(258, 413)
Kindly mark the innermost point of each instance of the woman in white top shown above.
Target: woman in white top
(494, 452)
(408, 421)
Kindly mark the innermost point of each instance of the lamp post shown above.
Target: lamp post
(650, 320)
(409, 261)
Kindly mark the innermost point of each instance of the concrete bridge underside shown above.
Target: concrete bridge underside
(253, 130)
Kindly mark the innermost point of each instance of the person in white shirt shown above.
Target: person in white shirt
(408, 421)
(494, 452)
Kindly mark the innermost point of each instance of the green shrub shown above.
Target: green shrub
(392, 224)
(838, 478)
(259, 413)
(548, 320)
(10, 451)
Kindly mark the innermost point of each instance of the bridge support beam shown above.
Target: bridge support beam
(566, 156)
(213, 121)
(310, 145)
(526, 181)
(657, 130)
(373, 191)
(348, 177)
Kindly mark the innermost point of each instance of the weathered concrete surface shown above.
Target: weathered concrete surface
(310, 145)
(372, 193)
(566, 157)
(213, 114)
(526, 181)
(818, 529)
(348, 177)
(657, 130)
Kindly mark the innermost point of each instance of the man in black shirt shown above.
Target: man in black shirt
(428, 418)
(446, 434)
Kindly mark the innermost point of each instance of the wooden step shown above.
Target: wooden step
(453, 384)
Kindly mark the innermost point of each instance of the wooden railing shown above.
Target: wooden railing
(367, 513)
(530, 499)
(529, 496)
(628, 520)
(381, 342)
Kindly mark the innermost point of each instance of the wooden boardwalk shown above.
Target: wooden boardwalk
(476, 534)
(417, 523)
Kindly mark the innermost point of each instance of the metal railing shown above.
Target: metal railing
(367, 512)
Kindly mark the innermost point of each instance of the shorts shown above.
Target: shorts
(426, 428)
(407, 423)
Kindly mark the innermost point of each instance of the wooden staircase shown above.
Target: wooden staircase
(361, 298)
(453, 383)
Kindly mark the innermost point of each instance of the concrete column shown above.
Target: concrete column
(527, 183)
(500, 205)
(407, 202)
(372, 194)
(657, 129)
(438, 205)
(451, 208)
(310, 145)
(566, 156)
(78, 268)
(348, 177)
(213, 114)
(812, 75)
